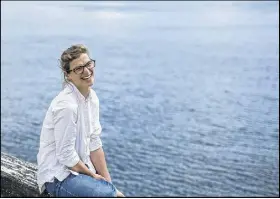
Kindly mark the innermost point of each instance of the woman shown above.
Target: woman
(71, 161)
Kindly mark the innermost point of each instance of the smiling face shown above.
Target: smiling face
(81, 72)
(78, 68)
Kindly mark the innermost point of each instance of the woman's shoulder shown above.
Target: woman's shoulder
(64, 100)
(94, 97)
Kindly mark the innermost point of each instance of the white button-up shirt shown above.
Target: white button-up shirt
(70, 130)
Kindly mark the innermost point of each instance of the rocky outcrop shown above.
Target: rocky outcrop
(18, 178)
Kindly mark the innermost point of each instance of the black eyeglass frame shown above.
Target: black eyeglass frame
(74, 69)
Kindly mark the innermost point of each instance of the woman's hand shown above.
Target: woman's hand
(120, 194)
(98, 177)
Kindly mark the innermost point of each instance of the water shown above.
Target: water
(188, 90)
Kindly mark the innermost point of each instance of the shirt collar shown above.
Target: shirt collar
(78, 93)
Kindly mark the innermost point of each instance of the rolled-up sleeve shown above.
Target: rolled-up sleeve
(95, 141)
(65, 134)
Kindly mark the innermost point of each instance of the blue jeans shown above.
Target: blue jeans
(81, 186)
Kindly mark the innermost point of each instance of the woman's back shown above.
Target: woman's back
(48, 162)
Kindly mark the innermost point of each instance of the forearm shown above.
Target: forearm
(80, 167)
(97, 158)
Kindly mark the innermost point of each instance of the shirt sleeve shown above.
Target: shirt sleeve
(65, 134)
(95, 141)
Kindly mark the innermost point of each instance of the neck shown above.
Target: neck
(84, 91)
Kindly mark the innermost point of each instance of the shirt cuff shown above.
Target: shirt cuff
(95, 143)
(72, 162)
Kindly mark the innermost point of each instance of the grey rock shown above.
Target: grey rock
(18, 178)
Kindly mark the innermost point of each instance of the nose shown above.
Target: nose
(87, 71)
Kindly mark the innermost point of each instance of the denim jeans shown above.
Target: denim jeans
(81, 186)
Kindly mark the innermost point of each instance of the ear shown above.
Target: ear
(67, 75)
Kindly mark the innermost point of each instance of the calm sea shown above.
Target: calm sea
(189, 91)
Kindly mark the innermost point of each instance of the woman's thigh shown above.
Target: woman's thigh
(82, 186)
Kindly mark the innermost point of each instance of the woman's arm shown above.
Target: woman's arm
(97, 158)
(80, 167)
(65, 137)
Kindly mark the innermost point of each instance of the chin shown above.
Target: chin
(91, 83)
(87, 83)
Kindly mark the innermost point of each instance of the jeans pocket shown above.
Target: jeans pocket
(51, 187)
(57, 187)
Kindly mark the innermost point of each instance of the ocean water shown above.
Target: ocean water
(189, 91)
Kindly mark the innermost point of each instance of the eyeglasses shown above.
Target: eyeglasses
(80, 69)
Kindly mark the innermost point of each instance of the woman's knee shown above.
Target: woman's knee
(106, 189)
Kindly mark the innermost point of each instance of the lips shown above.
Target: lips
(87, 77)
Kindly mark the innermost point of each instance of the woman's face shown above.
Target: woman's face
(82, 77)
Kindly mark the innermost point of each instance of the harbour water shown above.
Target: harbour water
(189, 91)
